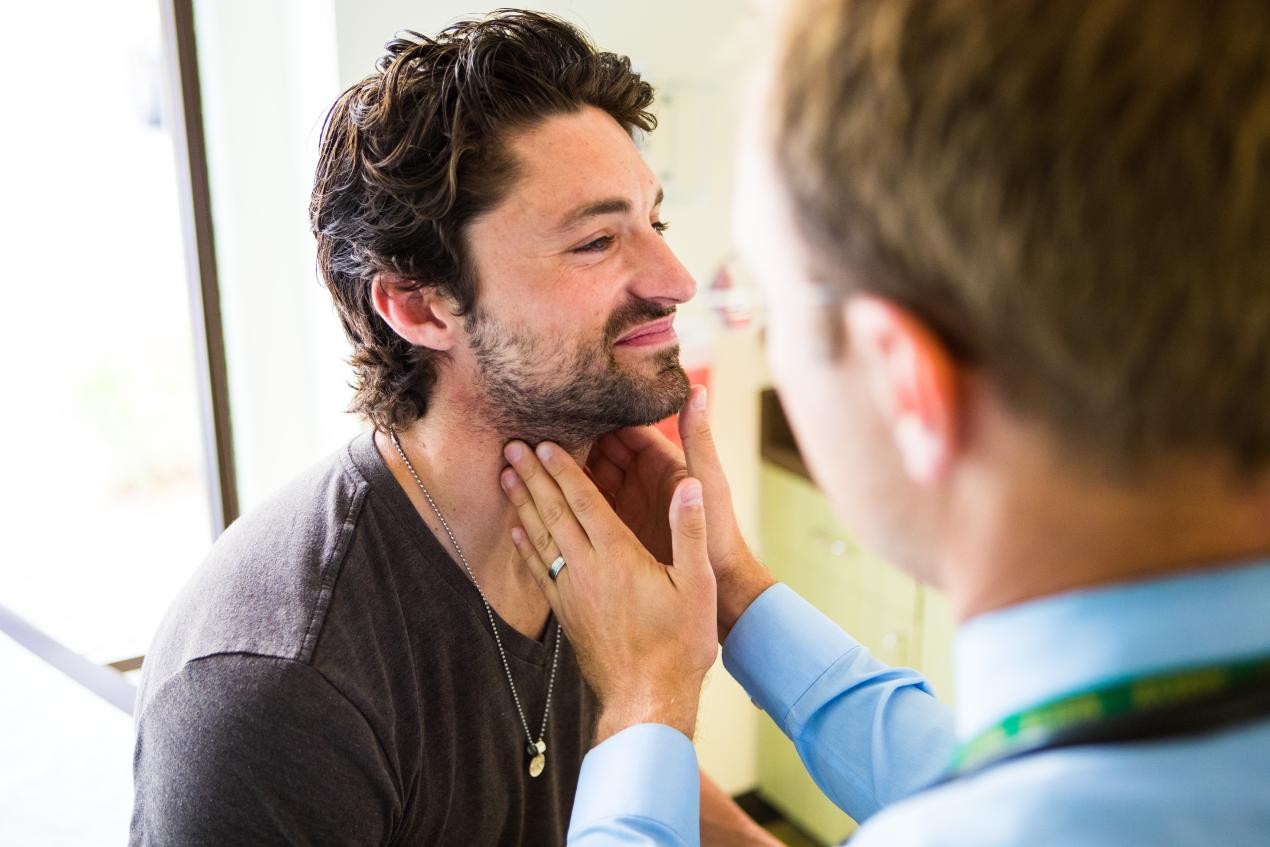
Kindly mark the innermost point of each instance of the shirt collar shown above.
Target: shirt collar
(1022, 655)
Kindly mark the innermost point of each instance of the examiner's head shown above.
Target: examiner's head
(489, 232)
(1016, 243)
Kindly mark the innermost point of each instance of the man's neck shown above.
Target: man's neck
(1048, 529)
(460, 463)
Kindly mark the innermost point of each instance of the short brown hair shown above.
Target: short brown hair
(414, 152)
(1073, 194)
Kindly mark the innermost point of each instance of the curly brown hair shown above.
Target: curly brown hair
(414, 152)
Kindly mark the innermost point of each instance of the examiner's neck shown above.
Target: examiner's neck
(460, 463)
(1048, 530)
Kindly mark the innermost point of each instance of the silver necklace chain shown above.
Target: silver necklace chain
(536, 748)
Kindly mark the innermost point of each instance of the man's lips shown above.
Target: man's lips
(654, 332)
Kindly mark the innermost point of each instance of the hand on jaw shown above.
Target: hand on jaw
(638, 468)
(637, 598)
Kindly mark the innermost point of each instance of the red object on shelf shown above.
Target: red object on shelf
(670, 426)
(730, 303)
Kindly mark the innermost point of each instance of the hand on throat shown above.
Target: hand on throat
(459, 464)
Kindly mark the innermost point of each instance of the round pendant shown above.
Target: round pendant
(537, 764)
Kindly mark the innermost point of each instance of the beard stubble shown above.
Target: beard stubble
(535, 391)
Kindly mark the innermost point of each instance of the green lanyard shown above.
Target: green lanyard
(1176, 702)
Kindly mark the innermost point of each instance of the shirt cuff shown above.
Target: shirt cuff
(779, 647)
(645, 774)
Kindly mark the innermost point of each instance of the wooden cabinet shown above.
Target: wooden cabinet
(935, 629)
(900, 622)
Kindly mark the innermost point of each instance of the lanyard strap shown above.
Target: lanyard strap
(1184, 701)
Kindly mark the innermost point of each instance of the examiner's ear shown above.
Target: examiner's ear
(912, 378)
(422, 316)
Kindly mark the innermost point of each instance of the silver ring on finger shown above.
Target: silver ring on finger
(556, 567)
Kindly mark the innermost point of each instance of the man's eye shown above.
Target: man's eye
(599, 245)
(661, 226)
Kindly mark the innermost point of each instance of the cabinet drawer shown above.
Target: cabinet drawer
(810, 551)
(937, 629)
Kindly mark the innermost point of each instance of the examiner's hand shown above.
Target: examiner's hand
(638, 468)
(644, 632)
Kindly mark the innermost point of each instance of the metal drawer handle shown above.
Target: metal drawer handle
(838, 546)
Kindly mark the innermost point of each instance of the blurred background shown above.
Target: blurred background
(173, 358)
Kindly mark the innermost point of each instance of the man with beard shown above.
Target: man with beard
(362, 660)
(1016, 257)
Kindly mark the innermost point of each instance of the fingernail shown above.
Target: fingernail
(544, 451)
(692, 493)
(513, 451)
(518, 534)
(508, 479)
(699, 398)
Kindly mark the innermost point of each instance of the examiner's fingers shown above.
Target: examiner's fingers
(537, 533)
(688, 533)
(640, 438)
(698, 441)
(611, 447)
(582, 500)
(533, 561)
(556, 510)
(607, 476)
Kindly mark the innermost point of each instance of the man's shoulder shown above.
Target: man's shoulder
(226, 731)
(265, 585)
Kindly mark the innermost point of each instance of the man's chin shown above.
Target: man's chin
(665, 396)
(640, 402)
(574, 415)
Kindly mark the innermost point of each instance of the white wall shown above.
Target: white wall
(269, 74)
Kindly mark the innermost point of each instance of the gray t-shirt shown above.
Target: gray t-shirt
(329, 676)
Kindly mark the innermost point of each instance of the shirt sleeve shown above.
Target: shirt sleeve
(245, 749)
(641, 786)
(869, 734)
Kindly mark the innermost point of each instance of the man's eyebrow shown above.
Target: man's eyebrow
(595, 208)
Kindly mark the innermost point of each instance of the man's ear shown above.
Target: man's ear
(422, 316)
(913, 380)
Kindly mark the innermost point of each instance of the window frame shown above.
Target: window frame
(184, 112)
(194, 196)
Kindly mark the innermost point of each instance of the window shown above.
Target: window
(104, 502)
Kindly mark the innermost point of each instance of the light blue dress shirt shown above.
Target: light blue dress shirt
(873, 736)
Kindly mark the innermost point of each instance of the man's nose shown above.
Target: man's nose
(661, 277)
